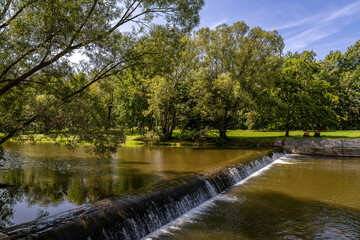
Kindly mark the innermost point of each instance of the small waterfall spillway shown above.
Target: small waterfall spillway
(136, 217)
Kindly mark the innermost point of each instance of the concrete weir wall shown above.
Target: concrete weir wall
(4, 237)
(134, 216)
(324, 147)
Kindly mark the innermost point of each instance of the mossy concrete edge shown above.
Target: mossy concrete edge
(321, 147)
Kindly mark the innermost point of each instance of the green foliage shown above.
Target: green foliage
(40, 87)
(230, 77)
(199, 134)
(152, 136)
(234, 65)
(342, 71)
(167, 75)
(303, 99)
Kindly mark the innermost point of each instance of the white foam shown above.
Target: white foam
(279, 161)
(257, 173)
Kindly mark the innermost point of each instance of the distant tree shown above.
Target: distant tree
(235, 64)
(131, 99)
(343, 72)
(302, 99)
(167, 77)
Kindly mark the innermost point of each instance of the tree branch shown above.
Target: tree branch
(126, 18)
(5, 24)
(83, 23)
(6, 7)
(126, 15)
(15, 130)
(40, 66)
(23, 56)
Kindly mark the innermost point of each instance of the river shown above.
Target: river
(45, 179)
(297, 197)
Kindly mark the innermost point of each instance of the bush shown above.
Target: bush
(152, 136)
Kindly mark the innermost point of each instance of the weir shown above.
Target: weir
(137, 216)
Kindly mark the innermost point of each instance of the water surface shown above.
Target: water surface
(298, 197)
(45, 179)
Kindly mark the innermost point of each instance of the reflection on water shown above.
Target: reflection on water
(299, 197)
(42, 180)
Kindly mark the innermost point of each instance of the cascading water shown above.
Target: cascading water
(136, 217)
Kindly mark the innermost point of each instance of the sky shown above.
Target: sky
(318, 25)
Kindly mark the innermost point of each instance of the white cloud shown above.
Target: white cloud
(348, 10)
(303, 39)
(319, 26)
(221, 21)
(343, 12)
(299, 23)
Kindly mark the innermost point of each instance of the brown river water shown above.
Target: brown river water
(297, 197)
(45, 179)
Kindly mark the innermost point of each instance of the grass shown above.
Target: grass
(250, 134)
(268, 138)
(236, 137)
(251, 137)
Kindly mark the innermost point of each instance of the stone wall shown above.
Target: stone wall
(324, 147)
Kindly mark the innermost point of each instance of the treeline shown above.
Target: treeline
(165, 78)
(232, 77)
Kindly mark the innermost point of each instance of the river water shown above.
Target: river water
(297, 197)
(45, 179)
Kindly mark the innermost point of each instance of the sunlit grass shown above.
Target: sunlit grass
(235, 136)
(251, 134)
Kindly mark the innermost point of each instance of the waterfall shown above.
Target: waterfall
(136, 217)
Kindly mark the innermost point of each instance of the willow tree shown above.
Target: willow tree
(38, 37)
(235, 63)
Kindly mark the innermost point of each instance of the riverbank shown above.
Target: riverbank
(248, 138)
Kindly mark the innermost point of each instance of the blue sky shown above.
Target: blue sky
(319, 25)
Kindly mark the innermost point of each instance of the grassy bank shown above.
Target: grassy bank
(235, 138)
(247, 137)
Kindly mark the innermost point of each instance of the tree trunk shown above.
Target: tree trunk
(172, 127)
(222, 129)
(108, 121)
(169, 123)
(223, 133)
(287, 132)
(167, 132)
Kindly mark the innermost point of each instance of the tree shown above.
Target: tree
(303, 98)
(343, 71)
(37, 34)
(37, 37)
(167, 75)
(131, 99)
(235, 64)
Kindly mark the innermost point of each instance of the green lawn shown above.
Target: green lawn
(251, 137)
(236, 137)
(245, 134)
